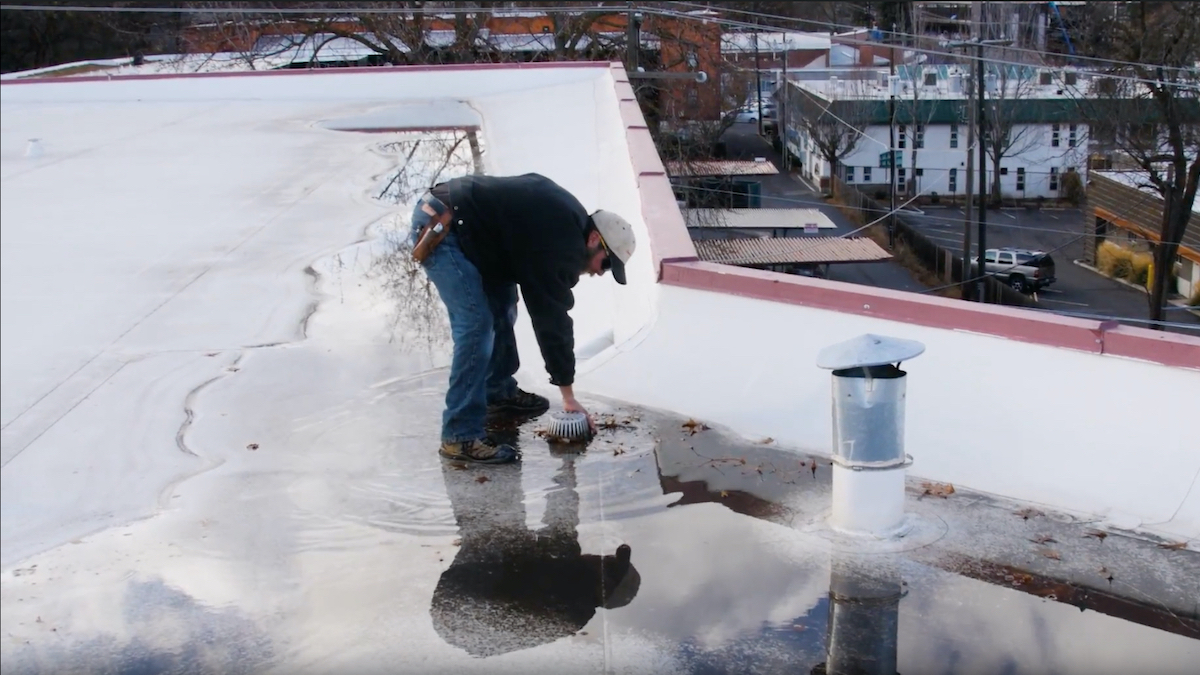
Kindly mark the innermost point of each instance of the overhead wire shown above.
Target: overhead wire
(963, 55)
(895, 34)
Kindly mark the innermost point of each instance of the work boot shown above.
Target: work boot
(521, 404)
(480, 451)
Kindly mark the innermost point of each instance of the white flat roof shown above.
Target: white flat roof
(158, 231)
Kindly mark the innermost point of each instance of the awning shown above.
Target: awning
(790, 251)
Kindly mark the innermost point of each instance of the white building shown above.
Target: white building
(1047, 132)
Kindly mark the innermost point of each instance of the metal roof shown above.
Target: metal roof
(722, 167)
(751, 219)
(790, 250)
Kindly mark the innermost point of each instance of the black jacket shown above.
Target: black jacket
(529, 231)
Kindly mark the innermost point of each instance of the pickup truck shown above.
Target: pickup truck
(1024, 270)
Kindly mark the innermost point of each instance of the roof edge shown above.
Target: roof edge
(1051, 330)
(448, 67)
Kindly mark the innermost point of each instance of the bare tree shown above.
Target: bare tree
(1005, 125)
(1156, 103)
(833, 122)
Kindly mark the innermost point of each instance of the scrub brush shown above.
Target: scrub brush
(568, 427)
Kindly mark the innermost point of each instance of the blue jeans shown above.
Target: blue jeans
(482, 316)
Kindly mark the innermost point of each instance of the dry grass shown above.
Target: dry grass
(77, 70)
(1194, 301)
(1122, 263)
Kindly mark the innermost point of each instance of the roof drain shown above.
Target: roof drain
(869, 461)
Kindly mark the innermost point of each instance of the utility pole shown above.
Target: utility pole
(633, 39)
(980, 119)
(783, 107)
(758, 83)
(891, 228)
(969, 211)
(975, 134)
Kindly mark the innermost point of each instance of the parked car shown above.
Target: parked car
(749, 112)
(1024, 270)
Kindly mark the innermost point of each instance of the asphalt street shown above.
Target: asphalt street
(1078, 290)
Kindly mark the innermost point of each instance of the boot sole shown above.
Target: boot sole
(474, 460)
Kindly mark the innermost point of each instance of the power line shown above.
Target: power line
(922, 50)
(808, 202)
(336, 10)
(896, 34)
(501, 11)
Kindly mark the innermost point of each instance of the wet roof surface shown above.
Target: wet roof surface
(662, 547)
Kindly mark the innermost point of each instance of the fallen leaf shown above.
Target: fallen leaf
(814, 468)
(799, 627)
(694, 427)
(458, 466)
(1029, 513)
(724, 494)
(1050, 553)
(456, 542)
(1044, 539)
(618, 451)
(482, 479)
(942, 490)
(767, 441)
(1176, 546)
(252, 446)
(1106, 574)
(1097, 534)
(212, 354)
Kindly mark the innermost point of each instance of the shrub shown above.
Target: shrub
(1072, 188)
(1122, 263)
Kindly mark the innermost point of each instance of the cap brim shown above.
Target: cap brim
(618, 268)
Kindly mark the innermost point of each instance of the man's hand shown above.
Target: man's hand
(572, 405)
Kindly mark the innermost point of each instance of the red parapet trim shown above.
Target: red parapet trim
(1169, 349)
(359, 70)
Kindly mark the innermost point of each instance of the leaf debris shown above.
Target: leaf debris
(942, 490)
(1096, 534)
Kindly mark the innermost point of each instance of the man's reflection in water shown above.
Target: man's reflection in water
(509, 587)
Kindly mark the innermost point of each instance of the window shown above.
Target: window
(866, 174)
(900, 135)
(1006, 258)
(953, 180)
(1072, 136)
(930, 79)
(989, 255)
(918, 172)
(1055, 132)
(953, 136)
(900, 178)
(1021, 178)
(1053, 179)
(849, 174)
(919, 137)
(1004, 171)
(1044, 78)
(1071, 78)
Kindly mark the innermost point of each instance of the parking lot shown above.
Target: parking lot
(1077, 290)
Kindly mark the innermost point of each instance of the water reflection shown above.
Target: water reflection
(429, 158)
(864, 618)
(511, 588)
(424, 159)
